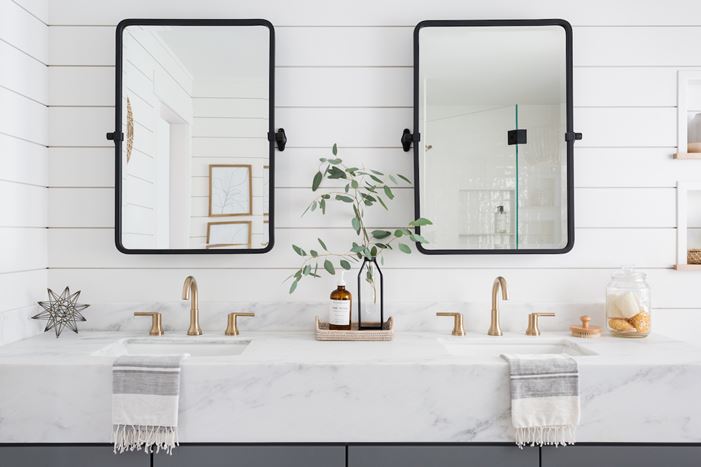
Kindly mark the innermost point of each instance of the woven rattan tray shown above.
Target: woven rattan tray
(323, 333)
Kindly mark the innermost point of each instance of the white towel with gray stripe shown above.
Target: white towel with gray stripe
(544, 398)
(145, 392)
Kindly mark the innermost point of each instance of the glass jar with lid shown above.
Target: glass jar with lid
(628, 304)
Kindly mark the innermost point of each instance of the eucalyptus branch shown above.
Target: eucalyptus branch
(363, 189)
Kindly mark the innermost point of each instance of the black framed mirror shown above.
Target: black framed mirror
(195, 136)
(493, 136)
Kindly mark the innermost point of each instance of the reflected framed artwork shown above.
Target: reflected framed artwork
(232, 234)
(230, 190)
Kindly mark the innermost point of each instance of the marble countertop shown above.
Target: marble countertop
(287, 387)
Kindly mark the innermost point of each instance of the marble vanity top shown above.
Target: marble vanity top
(287, 387)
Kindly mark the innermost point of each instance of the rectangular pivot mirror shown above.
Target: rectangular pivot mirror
(493, 163)
(194, 111)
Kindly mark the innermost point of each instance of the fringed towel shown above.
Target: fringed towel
(145, 393)
(544, 398)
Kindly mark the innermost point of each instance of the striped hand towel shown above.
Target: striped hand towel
(145, 402)
(544, 398)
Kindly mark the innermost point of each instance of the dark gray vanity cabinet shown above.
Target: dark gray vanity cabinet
(442, 456)
(622, 456)
(69, 456)
(254, 456)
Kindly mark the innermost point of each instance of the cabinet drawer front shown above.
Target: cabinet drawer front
(622, 456)
(442, 456)
(70, 456)
(253, 456)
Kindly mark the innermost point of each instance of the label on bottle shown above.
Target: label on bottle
(339, 312)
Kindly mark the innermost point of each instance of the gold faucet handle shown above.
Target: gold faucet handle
(231, 325)
(156, 322)
(533, 329)
(458, 329)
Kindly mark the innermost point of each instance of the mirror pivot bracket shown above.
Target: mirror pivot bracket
(572, 136)
(280, 138)
(113, 136)
(408, 137)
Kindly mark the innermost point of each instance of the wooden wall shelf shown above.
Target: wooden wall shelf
(687, 155)
(687, 267)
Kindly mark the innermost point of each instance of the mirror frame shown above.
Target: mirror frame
(118, 135)
(570, 136)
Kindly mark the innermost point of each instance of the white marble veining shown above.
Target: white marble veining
(287, 387)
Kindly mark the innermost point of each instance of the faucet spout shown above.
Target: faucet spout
(190, 292)
(499, 283)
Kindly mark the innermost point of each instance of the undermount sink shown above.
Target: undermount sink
(194, 346)
(495, 346)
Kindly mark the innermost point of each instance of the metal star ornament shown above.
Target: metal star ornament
(61, 311)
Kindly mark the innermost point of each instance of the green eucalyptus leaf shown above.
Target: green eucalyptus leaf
(335, 161)
(293, 286)
(376, 179)
(419, 222)
(373, 251)
(328, 265)
(394, 180)
(317, 181)
(404, 178)
(334, 149)
(382, 203)
(307, 269)
(354, 184)
(355, 222)
(322, 205)
(344, 198)
(388, 192)
(299, 251)
(314, 205)
(345, 264)
(313, 253)
(323, 245)
(380, 234)
(377, 172)
(418, 238)
(403, 247)
(398, 233)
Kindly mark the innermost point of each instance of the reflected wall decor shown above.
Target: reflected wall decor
(230, 190)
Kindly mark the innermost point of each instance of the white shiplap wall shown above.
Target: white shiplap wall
(23, 164)
(344, 75)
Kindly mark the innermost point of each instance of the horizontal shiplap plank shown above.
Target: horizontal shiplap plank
(625, 86)
(640, 12)
(80, 126)
(672, 290)
(631, 127)
(24, 31)
(22, 117)
(81, 86)
(631, 167)
(84, 167)
(23, 74)
(392, 46)
(23, 288)
(24, 206)
(94, 248)
(81, 45)
(15, 324)
(594, 207)
(22, 161)
(321, 127)
(635, 207)
(680, 323)
(22, 249)
(640, 46)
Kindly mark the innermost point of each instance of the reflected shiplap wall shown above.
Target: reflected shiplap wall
(24, 96)
(344, 75)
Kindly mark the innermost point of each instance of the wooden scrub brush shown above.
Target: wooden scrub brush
(585, 330)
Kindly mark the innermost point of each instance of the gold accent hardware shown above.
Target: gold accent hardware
(190, 292)
(458, 329)
(494, 327)
(533, 329)
(231, 325)
(156, 322)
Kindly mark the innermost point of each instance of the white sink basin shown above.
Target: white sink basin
(495, 346)
(194, 346)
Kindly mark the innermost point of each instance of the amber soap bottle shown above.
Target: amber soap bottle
(340, 307)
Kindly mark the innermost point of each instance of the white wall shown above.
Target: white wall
(24, 95)
(352, 85)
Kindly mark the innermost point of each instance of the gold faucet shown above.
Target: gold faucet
(190, 293)
(499, 282)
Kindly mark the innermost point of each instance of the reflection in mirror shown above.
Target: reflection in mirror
(195, 163)
(492, 159)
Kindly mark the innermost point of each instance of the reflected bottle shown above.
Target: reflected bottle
(500, 221)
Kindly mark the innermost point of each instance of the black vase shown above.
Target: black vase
(370, 300)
